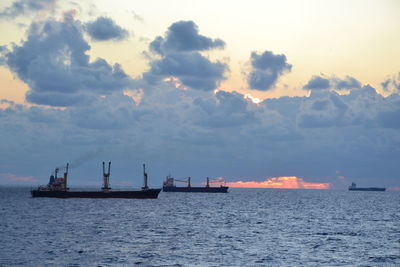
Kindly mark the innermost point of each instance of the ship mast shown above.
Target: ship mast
(145, 187)
(106, 177)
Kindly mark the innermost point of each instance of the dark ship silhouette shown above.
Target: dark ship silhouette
(169, 186)
(353, 187)
(57, 188)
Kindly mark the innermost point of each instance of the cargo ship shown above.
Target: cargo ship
(353, 187)
(57, 188)
(169, 186)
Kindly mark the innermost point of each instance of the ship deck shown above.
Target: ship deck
(222, 189)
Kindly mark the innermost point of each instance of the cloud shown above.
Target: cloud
(290, 182)
(9, 178)
(3, 51)
(180, 58)
(196, 133)
(363, 106)
(137, 17)
(389, 119)
(173, 128)
(183, 36)
(317, 82)
(321, 83)
(192, 69)
(228, 110)
(25, 7)
(266, 70)
(347, 83)
(394, 188)
(105, 29)
(392, 85)
(323, 110)
(53, 62)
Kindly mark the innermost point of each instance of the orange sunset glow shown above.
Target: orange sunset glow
(284, 182)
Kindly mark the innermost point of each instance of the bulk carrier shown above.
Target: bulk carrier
(57, 188)
(169, 186)
(353, 187)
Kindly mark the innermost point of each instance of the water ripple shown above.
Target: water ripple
(241, 228)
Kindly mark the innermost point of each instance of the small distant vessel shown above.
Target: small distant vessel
(57, 188)
(169, 186)
(353, 187)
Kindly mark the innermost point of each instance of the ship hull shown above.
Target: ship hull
(150, 193)
(367, 189)
(222, 189)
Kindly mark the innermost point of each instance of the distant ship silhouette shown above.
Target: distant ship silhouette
(353, 187)
(169, 186)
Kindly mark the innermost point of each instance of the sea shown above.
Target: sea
(245, 227)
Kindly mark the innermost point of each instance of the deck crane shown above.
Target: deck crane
(106, 177)
(187, 180)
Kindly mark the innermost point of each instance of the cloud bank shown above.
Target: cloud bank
(291, 182)
(199, 134)
(194, 132)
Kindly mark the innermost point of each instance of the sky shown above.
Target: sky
(274, 94)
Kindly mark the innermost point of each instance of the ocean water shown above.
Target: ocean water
(246, 227)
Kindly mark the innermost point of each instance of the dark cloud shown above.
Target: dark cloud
(183, 36)
(317, 83)
(322, 83)
(105, 29)
(266, 70)
(180, 58)
(192, 69)
(347, 83)
(54, 64)
(57, 99)
(24, 7)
